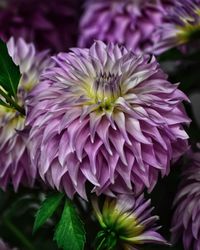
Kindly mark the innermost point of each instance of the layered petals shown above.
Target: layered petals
(106, 117)
(48, 24)
(15, 164)
(4, 246)
(186, 218)
(130, 23)
(127, 221)
(181, 28)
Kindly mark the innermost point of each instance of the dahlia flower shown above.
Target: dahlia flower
(186, 218)
(108, 117)
(15, 165)
(128, 22)
(127, 221)
(48, 24)
(181, 27)
(4, 246)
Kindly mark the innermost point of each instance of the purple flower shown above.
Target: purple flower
(4, 246)
(131, 23)
(127, 221)
(48, 24)
(15, 165)
(181, 27)
(108, 117)
(186, 218)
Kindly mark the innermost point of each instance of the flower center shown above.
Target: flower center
(191, 28)
(11, 120)
(10, 117)
(124, 225)
(105, 90)
(188, 33)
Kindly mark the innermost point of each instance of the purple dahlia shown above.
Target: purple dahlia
(127, 221)
(108, 117)
(128, 22)
(15, 165)
(186, 218)
(48, 24)
(4, 246)
(181, 27)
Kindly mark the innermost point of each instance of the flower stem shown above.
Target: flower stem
(18, 234)
(11, 102)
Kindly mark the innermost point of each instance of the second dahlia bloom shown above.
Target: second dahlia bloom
(186, 218)
(48, 24)
(127, 22)
(15, 164)
(108, 117)
(181, 27)
(4, 246)
(127, 222)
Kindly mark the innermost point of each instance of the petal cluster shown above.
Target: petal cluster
(4, 246)
(181, 27)
(128, 22)
(31, 63)
(127, 221)
(48, 24)
(15, 164)
(186, 218)
(106, 117)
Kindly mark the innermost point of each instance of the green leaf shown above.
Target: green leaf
(171, 55)
(70, 233)
(48, 207)
(9, 71)
(176, 55)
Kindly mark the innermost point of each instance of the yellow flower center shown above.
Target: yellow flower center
(104, 91)
(10, 118)
(123, 224)
(190, 30)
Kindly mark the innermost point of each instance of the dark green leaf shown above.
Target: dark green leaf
(48, 207)
(70, 233)
(176, 55)
(9, 71)
(170, 55)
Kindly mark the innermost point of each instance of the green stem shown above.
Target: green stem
(18, 234)
(11, 102)
(101, 244)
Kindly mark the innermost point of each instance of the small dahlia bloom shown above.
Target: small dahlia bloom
(181, 27)
(4, 246)
(48, 24)
(107, 117)
(127, 22)
(186, 218)
(127, 222)
(15, 165)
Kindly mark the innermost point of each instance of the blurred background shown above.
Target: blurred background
(58, 25)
